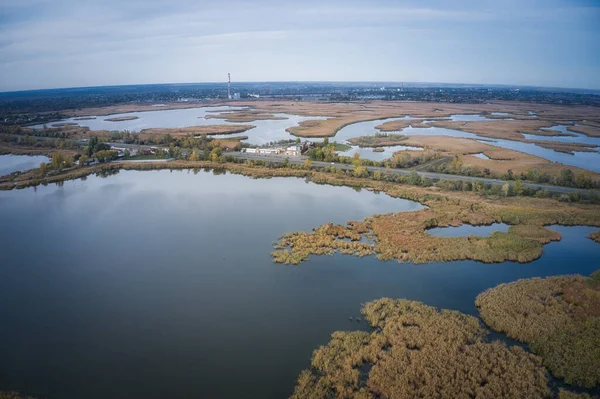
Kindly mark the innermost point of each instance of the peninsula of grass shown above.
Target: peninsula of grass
(595, 236)
(559, 317)
(417, 351)
(403, 236)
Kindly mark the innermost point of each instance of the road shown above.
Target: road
(429, 175)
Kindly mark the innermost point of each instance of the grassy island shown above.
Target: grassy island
(417, 351)
(559, 317)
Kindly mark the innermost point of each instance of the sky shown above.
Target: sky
(67, 43)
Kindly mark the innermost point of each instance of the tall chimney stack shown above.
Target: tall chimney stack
(229, 86)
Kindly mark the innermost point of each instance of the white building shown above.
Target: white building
(294, 151)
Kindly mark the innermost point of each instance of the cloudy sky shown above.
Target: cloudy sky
(68, 43)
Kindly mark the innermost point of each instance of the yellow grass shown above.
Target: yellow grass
(417, 351)
(559, 317)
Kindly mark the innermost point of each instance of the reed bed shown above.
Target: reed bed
(419, 351)
(559, 317)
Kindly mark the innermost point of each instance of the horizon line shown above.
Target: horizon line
(507, 85)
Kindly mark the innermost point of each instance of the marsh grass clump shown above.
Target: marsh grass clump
(416, 350)
(559, 317)
(595, 236)
(293, 248)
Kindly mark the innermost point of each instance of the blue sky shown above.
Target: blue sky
(63, 43)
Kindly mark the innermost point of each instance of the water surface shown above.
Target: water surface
(468, 230)
(160, 284)
(13, 163)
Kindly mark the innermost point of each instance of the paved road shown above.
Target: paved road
(429, 175)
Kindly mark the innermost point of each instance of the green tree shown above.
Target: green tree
(57, 160)
(414, 179)
(92, 146)
(566, 177)
(285, 163)
(307, 163)
(583, 181)
(519, 189)
(194, 156)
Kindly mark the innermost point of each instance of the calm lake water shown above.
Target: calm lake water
(160, 284)
(13, 163)
(467, 230)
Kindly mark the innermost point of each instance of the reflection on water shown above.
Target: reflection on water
(13, 163)
(160, 284)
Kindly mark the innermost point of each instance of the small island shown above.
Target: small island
(122, 118)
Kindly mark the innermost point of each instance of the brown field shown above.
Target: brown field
(559, 317)
(122, 118)
(592, 131)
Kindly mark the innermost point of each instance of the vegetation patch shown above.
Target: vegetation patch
(595, 236)
(379, 140)
(403, 236)
(419, 351)
(559, 317)
(122, 118)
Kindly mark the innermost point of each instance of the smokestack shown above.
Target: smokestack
(229, 86)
